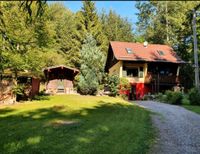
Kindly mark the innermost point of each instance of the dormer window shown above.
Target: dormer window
(129, 50)
(161, 53)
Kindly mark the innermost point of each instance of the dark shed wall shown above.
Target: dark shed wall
(35, 86)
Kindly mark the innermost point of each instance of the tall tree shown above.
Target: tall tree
(117, 28)
(88, 22)
(168, 18)
(91, 66)
(169, 22)
(65, 33)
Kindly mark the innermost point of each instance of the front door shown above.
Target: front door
(60, 86)
(133, 93)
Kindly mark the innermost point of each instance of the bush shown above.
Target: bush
(185, 101)
(164, 98)
(41, 96)
(173, 97)
(194, 96)
(125, 84)
(170, 97)
(148, 97)
(159, 97)
(124, 87)
(124, 96)
(113, 82)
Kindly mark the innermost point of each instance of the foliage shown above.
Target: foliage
(185, 100)
(148, 97)
(116, 28)
(124, 84)
(18, 89)
(113, 82)
(91, 67)
(194, 96)
(41, 96)
(170, 97)
(167, 18)
(172, 19)
(176, 98)
(88, 22)
(64, 25)
(161, 97)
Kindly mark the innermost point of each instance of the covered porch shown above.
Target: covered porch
(59, 79)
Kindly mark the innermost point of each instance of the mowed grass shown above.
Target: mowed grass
(193, 108)
(75, 124)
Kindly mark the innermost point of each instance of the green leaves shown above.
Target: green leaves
(88, 22)
(92, 64)
(117, 28)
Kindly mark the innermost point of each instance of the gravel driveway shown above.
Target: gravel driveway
(178, 129)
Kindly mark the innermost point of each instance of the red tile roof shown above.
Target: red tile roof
(142, 53)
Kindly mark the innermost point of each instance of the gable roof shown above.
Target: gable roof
(151, 53)
(60, 66)
(60, 72)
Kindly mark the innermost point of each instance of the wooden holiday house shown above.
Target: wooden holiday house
(150, 68)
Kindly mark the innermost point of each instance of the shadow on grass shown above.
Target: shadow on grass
(107, 128)
(5, 111)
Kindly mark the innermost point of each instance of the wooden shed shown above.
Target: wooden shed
(59, 79)
(30, 83)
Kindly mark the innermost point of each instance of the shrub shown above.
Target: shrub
(163, 98)
(173, 97)
(124, 84)
(124, 96)
(194, 96)
(92, 66)
(159, 96)
(124, 87)
(185, 101)
(113, 82)
(148, 97)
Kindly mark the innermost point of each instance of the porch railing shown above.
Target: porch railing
(150, 78)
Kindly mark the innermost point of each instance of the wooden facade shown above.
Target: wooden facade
(145, 73)
(30, 83)
(59, 79)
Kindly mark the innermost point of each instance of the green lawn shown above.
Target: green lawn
(192, 108)
(75, 124)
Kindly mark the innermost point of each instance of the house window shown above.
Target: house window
(132, 72)
(161, 53)
(141, 72)
(129, 50)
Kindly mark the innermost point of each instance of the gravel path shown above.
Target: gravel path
(178, 129)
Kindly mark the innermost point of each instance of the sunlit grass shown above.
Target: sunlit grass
(193, 108)
(75, 124)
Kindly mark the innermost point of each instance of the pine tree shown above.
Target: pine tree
(117, 28)
(88, 22)
(65, 33)
(91, 66)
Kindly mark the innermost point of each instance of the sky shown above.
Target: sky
(123, 8)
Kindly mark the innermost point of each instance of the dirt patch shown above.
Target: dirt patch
(58, 107)
(57, 123)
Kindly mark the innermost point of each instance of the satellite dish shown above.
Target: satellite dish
(145, 44)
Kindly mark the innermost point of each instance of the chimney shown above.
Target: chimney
(145, 44)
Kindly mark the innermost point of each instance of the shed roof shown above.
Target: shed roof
(60, 72)
(60, 66)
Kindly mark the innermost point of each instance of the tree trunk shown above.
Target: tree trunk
(167, 22)
(14, 80)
